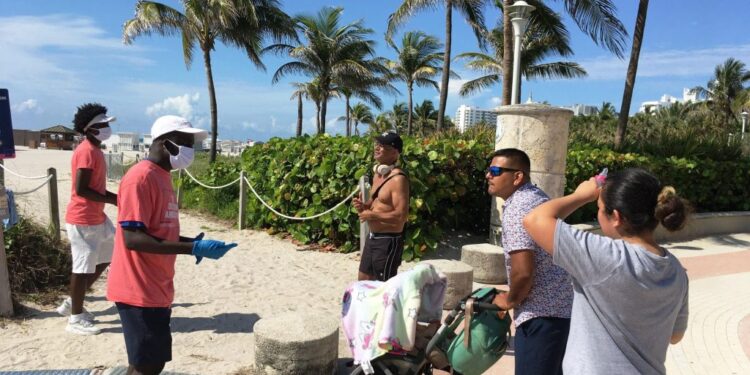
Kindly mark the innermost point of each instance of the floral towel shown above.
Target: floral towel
(380, 317)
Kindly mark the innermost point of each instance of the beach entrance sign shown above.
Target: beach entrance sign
(7, 147)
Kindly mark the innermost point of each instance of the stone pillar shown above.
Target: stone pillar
(542, 132)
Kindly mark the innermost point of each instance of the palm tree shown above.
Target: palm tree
(727, 85)
(244, 24)
(607, 112)
(398, 116)
(417, 63)
(310, 91)
(538, 44)
(363, 87)
(597, 18)
(472, 12)
(425, 117)
(360, 113)
(380, 124)
(332, 53)
(627, 95)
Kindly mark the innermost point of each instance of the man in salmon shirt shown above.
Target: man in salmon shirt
(147, 241)
(90, 232)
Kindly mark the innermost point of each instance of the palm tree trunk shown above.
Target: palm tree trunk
(446, 64)
(323, 109)
(348, 119)
(299, 115)
(409, 118)
(212, 104)
(640, 25)
(356, 127)
(507, 53)
(317, 116)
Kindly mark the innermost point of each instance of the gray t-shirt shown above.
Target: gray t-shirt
(627, 304)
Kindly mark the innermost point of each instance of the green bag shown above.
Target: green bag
(475, 350)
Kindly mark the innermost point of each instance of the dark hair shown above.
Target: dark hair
(85, 114)
(518, 158)
(643, 201)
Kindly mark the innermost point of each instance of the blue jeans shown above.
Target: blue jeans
(540, 346)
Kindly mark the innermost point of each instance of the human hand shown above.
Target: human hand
(199, 237)
(366, 215)
(501, 300)
(588, 190)
(359, 205)
(210, 249)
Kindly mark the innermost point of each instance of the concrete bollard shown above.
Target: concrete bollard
(297, 344)
(460, 276)
(488, 262)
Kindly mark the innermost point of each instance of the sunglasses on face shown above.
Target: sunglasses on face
(495, 171)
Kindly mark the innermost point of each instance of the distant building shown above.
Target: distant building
(467, 116)
(125, 141)
(28, 138)
(58, 137)
(666, 101)
(583, 109)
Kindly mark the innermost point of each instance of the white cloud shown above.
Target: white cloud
(180, 105)
(672, 63)
(27, 105)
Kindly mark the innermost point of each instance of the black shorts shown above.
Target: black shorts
(148, 338)
(382, 255)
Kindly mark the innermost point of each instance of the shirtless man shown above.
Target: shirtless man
(385, 213)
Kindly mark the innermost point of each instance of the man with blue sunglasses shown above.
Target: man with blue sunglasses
(541, 293)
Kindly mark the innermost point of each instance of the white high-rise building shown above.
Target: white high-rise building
(467, 116)
(652, 106)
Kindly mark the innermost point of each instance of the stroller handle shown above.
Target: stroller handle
(479, 306)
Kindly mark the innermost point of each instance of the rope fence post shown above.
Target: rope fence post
(243, 200)
(54, 209)
(6, 302)
(179, 189)
(364, 229)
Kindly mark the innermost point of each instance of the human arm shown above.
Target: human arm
(521, 279)
(138, 240)
(359, 205)
(400, 201)
(83, 188)
(541, 222)
(680, 325)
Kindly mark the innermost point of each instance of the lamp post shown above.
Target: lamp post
(519, 13)
(744, 122)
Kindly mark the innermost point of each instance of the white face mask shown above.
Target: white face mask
(104, 134)
(184, 156)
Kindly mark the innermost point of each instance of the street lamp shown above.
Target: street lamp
(744, 122)
(519, 13)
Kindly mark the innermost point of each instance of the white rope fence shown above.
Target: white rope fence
(207, 186)
(22, 176)
(268, 206)
(46, 181)
(295, 217)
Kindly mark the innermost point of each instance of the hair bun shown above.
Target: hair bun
(671, 210)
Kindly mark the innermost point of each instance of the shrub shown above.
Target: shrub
(307, 175)
(36, 263)
(709, 185)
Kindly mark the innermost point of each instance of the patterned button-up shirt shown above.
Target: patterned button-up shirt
(551, 293)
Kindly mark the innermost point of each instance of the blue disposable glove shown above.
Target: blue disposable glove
(211, 249)
(198, 238)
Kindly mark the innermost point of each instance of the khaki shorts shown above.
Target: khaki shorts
(90, 245)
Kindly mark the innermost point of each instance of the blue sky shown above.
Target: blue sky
(55, 55)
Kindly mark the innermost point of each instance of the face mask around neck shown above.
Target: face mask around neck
(184, 157)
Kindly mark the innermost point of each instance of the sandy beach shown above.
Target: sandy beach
(216, 303)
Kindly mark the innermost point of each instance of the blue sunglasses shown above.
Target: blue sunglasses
(495, 171)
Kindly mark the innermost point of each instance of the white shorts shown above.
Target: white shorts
(91, 245)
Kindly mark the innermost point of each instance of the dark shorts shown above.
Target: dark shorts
(148, 338)
(539, 346)
(382, 255)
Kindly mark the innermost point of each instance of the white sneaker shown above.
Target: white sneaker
(67, 307)
(79, 325)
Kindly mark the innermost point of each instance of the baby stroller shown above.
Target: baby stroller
(441, 347)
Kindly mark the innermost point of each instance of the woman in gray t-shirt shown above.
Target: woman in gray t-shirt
(630, 295)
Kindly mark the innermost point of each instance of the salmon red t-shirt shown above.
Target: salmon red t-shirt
(82, 211)
(145, 200)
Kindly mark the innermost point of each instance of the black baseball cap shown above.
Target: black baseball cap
(391, 138)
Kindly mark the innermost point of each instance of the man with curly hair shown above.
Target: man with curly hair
(90, 232)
